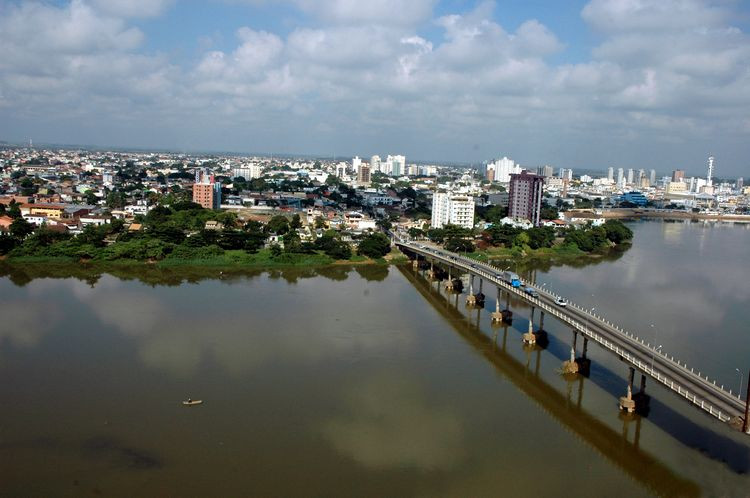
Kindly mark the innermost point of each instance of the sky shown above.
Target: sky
(577, 84)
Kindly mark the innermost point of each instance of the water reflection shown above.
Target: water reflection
(387, 421)
(617, 447)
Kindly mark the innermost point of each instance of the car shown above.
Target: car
(530, 291)
(561, 302)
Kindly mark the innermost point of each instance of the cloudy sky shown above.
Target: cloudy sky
(623, 83)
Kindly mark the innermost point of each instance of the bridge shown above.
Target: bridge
(651, 362)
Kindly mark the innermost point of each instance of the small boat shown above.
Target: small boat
(192, 402)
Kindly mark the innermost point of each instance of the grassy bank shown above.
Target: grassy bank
(563, 254)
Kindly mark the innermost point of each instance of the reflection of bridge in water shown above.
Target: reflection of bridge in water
(621, 448)
(639, 356)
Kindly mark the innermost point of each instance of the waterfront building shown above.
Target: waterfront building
(634, 197)
(206, 191)
(525, 197)
(449, 208)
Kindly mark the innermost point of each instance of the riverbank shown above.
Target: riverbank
(548, 257)
(262, 259)
(628, 213)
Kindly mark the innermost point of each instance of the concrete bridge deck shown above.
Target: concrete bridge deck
(676, 376)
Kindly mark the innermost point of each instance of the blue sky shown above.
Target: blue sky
(581, 84)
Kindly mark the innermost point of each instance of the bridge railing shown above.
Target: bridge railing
(636, 361)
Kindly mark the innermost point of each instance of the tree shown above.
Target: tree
(540, 237)
(295, 223)
(278, 224)
(459, 245)
(320, 223)
(116, 200)
(375, 245)
(91, 197)
(617, 232)
(21, 228)
(14, 210)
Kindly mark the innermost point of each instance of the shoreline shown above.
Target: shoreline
(625, 213)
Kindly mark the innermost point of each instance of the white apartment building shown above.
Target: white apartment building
(248, 172)
(503, 168)
(395, 165)
(454, 209)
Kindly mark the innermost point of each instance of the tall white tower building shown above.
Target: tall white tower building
(610, 173)
(710, 176)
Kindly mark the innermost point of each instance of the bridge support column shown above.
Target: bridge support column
(415, 263)
(449, 282)
(431, 274)
(570, 367)
(627, 404)
(530, 337)
(471, 299)
(541, 321)
(497, 316)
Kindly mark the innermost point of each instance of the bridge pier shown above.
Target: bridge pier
(571, 366)
(499, 315)
(431, 273)
(415, 263)
(449, 283)
(471, 299)
(627, 404)
(641, 398)
(541, 321)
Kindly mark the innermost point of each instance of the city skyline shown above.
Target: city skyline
(600, 84)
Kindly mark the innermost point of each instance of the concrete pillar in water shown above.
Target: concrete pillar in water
(497, 317)
(627, 404)
(530, 337)
(471, 299)
(571, 366)
(541, 321)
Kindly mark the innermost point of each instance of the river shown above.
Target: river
(365, 381)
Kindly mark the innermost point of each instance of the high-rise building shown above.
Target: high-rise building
(363, 173)
(490, 172)
(678, 175)
(448, 208)
(630, 176)
(652, 177)
(341, 170)
(525, 197)
(710, 175)
(395, 165)
(611, 174)
(504, 168)
(740, 183)
(356, 161)
(546, 171)
(620, 177)
(206, 191)
(375, 163)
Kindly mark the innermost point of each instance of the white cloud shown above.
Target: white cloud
(366, 74)
(133, 8)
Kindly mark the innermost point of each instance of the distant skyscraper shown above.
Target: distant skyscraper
(206, 191)
(504, 168)
(630, 176)
(620, 176)
(396, 165)
(548, 171)
(652, 177)
(374, 164)
(611, 173)
(363, 173)
(740, 183)
(710, 175)
(525, 200)
(490, 172)
(678, 175)
(356, 161)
